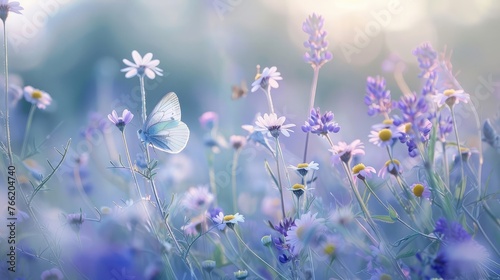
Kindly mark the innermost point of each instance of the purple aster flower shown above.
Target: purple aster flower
(268, 78)
(362, 172)
(52, 274)
(237, 141)
(209, 120)
(344, 152)
(142, 66)
(421, 190)
(197, 199)
(377, 98)
(385, 137)
(320, 125)
(75, 220)
(6, 7)
(392, 167)
(122, 121)
(317, 43)
(427, 58)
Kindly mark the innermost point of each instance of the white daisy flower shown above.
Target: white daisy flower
(227, 220)
(451, 97)
(306, 232)
(38, 97)
(273, 125)
(269, 77)
(142, 66)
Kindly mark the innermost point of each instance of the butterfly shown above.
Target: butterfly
(239, 91)
(163, 128)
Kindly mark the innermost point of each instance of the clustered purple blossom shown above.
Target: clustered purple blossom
(414, 111)
(317, 55)
(427, 58)
(279, 242)
(320, 125)
(377, 98)
(445, 125)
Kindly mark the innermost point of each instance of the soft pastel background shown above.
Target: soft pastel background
(73, 50)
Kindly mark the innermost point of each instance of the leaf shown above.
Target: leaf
(406, 254)
(392, 213)
(268, 168)
(383, 218)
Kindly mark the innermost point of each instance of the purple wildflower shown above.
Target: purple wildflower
(209, 120)
(427, 58)
(344, 152)
(459, 255)
(377, 98)
(445, 126)
(122, 121)
(6, 7)
(321, 125)
(317, 55)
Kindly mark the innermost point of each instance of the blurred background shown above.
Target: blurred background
(73, 49)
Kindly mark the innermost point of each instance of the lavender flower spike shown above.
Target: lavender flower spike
(377, 98)
(317, 55)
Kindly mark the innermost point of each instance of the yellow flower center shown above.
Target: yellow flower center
(418, 190)
(385, 277)
(464, 150)
(407, 127)
(329, 249)
(36, 94)
(388, 121)
(303, 165)
(358, 168)
(385, 134)
(228, 218)
(300, 232)
(449, 92)
(395, 161)
(298, 187)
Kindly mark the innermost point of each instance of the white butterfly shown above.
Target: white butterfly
(163, 128)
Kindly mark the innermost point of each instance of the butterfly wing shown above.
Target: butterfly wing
(164, 129)
(171, 138)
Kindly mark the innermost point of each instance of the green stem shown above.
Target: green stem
(461, 190)
(6, 74)
(211, 175)
(257, 256)
(280, 186)
(312, 98)
(445, 167)
(233, 179)
(143, 98)
(28, 127)
(269, 99)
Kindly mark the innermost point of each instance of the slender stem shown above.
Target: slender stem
(6, 74)
(312, 264)
(263, 261)
(211, 175)
(287, 174)
(241, 258)
(143, 98)
(269, 99)
(461, 186)
(398, 76)
(79, 186)
(280, 186)
(233, 179)
(312, 98)
(28, 127)
(445, 167)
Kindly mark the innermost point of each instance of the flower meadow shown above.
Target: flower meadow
(425, 206)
